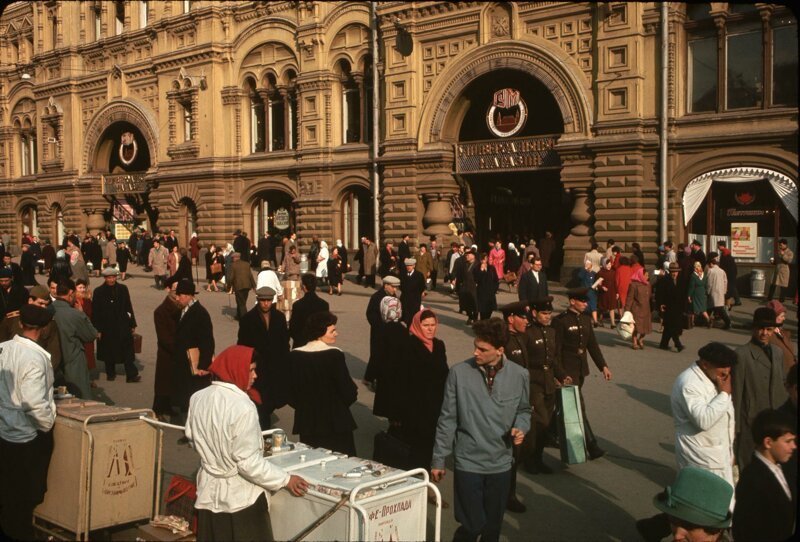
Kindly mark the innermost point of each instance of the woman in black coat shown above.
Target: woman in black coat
(387, 371)
(335, 272)
(123, 257)
(321, 389)
(184, 270)
(487, 282)
(426, 370)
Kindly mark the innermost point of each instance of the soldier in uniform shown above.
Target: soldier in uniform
(574, 337)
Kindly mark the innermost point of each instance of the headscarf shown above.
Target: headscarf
(777, 306)
(391, 309)
(416, 329)
(638, 276)
(339, 243)
(233, 366)
(512, 248)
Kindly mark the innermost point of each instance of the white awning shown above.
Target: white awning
(696, 190)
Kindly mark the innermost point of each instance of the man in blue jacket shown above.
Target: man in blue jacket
(485, 410)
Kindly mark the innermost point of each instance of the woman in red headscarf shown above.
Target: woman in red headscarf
(427, 373)
(235, 478)
(638, 302)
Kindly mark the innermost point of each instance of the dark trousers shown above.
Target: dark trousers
(241, 302)
(779, 290)
(369, 280)
(130, 366)
(512, 486)
(673, 333)
(251, 524)
(480, 503)
(532, 446)
(722, 312)
(434, 275)
(159, 279)
(23, 483)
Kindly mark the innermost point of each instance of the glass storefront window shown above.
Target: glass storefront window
(703, 75)
(744, 70)
(784, 65)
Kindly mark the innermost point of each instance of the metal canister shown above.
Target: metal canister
(278, 439)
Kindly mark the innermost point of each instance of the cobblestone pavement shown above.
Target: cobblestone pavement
(599, 500)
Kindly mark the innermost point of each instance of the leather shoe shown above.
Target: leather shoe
(680, 348)
(596, 452)
(513, 505)
(137, 378)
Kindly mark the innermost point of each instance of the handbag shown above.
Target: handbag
(510, 277)
(137, 343)
(391, 451)
(688, 320)
(626, 325)
(571, 433)
(216, 267)
(179, 500)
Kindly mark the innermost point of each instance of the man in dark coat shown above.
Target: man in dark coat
(13, 294)
(412, 288)
(547, 246)
(27, 264)
(671, 302)
(16, 270)
(113, 317)
(303, 308)
(466, 286)
(264, 329)
(757, 381)
(194, 337)
(697, 254)
(575, 337)
(170, 241)
(263, 251)
(728, 264)
(533, 284)
(313, 254)
(387, 260)
(165, 318)
(241, 244)
(403, 250)
(391, 285)
(765, 502)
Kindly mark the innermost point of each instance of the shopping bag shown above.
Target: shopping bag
(391, 451)
(626, 325)
(570, 426)
(180, 498)
(216, 267)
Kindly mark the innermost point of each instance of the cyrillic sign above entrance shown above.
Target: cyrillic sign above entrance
(126, 183)
(516, 154)
(507, 114)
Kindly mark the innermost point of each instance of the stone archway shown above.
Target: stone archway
(126, 110)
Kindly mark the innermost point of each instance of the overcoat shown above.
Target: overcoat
(638, 302)
(370, 259)
(782, 263)
(697, 292)
(301, 310)
(194, 330)
(717, 286)
(165, 319)
(74, 329)
(272, 346)
(157, 260)
(757, 385)
(112, 315)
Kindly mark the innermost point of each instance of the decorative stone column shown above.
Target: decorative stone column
(438, 213)
(577, 175)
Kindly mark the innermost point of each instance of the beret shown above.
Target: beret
(34, 315)
(717, 354)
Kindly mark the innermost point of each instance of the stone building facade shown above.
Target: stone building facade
(509, 116)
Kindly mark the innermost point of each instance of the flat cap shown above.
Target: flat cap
(717, 354)
(518, 308)
(542, 304)
(409, 261)
(39, 292)
(5, 273)
(265, 264)
(391, 279)
(581, 294)
(109, 272)
(265, 292)
(34, 315)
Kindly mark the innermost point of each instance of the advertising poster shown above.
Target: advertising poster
(744, 239)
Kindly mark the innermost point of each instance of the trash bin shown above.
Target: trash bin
(105, 469)
(757, 283)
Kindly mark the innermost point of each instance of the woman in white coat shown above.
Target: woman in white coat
(322, 260)
(235, 478)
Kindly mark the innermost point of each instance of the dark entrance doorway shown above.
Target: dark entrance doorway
(513, 190)
(519, 206)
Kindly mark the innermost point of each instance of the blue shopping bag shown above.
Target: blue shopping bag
(570, 426)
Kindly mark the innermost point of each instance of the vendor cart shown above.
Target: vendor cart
(104, 472)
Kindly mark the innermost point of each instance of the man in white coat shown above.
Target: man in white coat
(702, 408)
(716, 288)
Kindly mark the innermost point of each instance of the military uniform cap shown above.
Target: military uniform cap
(581, 294)
(518, 308)
(542, 304)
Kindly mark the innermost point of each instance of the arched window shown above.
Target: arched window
(27, 149)
(187, 219)
(351, 103)
(28, 219)
(257, 129)
(272, 211)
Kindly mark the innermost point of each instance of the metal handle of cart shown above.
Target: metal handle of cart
(396, 477)
(166, 425)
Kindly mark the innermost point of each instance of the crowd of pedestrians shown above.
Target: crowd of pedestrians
(494, 413)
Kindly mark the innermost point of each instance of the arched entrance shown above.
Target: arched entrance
(28, 218)
(187, 219)
(356, 216)
(510, 172)
(273, 212)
